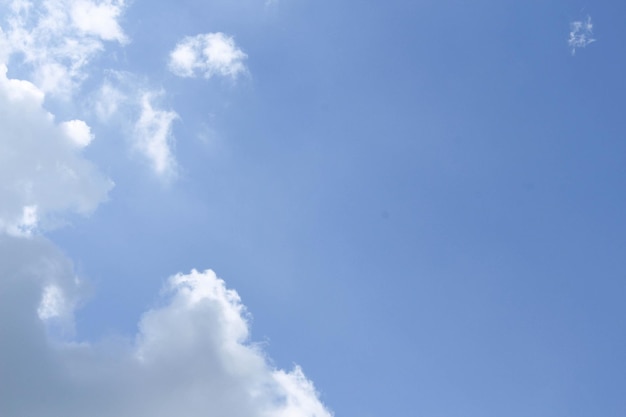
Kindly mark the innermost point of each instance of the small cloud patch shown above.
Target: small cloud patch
(581, 34)
(207, 55)
(78, 132)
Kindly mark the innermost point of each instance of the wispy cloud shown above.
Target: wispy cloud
(207, 55)
(129, 102)
(581, 34)
(153, 136)
(58, 38)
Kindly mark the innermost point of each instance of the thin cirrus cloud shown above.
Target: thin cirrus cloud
(580, 35)
(192, 355)
(207, 55)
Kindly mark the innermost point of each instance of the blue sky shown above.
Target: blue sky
(419, 204)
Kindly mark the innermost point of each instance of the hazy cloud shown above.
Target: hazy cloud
(108, 100)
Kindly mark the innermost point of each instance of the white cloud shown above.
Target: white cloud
(58, 38)
(42, 172)
(78, 131)
(207, 55)
(191, 356)
(128, 102)
(152, 136)
(100, 19)
(581, 34)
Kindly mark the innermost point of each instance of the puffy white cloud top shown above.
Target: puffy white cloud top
(191, 356)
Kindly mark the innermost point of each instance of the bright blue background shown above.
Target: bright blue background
(420, 202)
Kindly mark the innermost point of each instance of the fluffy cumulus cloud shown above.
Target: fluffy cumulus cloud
(581, 34)
(207, 55)
(191, 356)
(42, 170)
